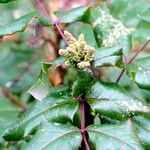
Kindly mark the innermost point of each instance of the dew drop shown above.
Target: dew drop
(148, 71)
(123, 116)
(8, 84)
(78, 137)
(139, 68)
(56, 124)
(42, 130)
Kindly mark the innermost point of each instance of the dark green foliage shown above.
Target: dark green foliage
(109, 115)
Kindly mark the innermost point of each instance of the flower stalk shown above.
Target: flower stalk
(132, 59)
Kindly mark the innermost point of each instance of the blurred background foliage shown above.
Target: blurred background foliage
(21, 54)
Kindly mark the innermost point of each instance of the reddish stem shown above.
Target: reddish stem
(61, 33)
(42, 8)
(120, 75)
(139, 51)
(85, 141)
(56, 23)
(132, 59)
(82, 111)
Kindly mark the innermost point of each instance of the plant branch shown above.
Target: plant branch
(55, 23)
(132, 59)
(82, 111)
(13, 99)
(138, 52)
(49, 40)
(85, 141)
(42, 8)
(120, 75)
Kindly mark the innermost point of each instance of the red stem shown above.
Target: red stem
(137, 53)
(82, 111)
(85, 141)
(42, 8)
(132, 59)
(61, 33)
(120, 75)
(56, 23)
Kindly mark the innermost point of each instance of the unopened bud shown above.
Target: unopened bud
(81, 38)
(83, 64)
(69, 37)
(89, 48)
(71, 51)
(62, 52)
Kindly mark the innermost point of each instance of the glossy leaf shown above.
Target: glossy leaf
(128, 12)
(114, 137)
(111, 56)
(8, 113)
(109, 31)
(55, 108)
(142, 126)
(55, 136)
(41, 88)
(87, 30)
(113, 101)
(139, 71)
(145, 16)
(18, 25)
(76, 14)
(24, 72)
(82, 83)
(5, 1)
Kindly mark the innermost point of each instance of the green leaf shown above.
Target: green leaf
(110, 31)
(87, 30)
(82, 83)
(5, 1)
(114, 137)
(139, 71)
(113, 101)
(41, 88)
(25, 70)
(55, 136)
(142, 32)
(18, 25)
(76, 14)
(125, 41)
(57, 62)
(129, 13)
(145, 16)
(142, 125)
(111, 56)
(57, 107)
(8, 114)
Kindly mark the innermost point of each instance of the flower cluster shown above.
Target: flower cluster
(78, 53)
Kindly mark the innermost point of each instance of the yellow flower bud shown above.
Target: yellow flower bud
(62, 52)
(69, 37)
(83, 64)
(78, 53)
